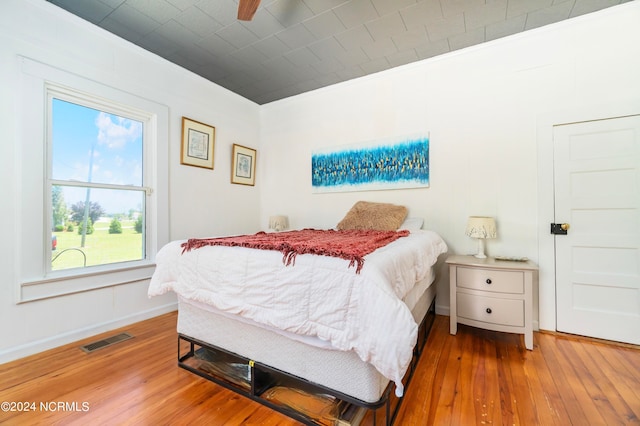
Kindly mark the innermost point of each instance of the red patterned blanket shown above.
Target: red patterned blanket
(351, 245)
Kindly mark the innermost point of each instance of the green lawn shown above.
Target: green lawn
(100, 247)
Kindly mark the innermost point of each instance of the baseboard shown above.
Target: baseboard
(41, 345)
(442, 310)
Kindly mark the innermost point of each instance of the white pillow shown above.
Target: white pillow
(412, 223)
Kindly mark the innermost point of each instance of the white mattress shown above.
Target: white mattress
(342, 371)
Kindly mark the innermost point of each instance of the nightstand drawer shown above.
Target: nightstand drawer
(491, 280)
(490, 309)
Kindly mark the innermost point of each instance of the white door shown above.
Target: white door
(597, 192)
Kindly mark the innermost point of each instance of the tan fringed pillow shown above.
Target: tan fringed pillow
(378, 216)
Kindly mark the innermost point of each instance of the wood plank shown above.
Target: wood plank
(489, 394)
(464, 407)
(625, 382)
(523, 401)
(440, 372)
(604, 396)
(507, 409)
(579, 381)
(444, 410)
(475, 377)
(415, 407)
(546, 398)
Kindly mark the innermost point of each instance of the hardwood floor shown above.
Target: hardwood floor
(476, 377)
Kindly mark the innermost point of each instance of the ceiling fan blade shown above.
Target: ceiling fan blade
(247, 8)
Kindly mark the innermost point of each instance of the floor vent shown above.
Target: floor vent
(105, 342)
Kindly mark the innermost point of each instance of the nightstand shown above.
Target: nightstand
(492, 294)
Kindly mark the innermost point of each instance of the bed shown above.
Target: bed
(349, 326)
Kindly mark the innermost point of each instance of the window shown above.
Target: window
(85, 143)
(96, 182)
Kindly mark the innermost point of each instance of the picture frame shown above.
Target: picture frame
(399, 162)
(243, 165)
(198, 144)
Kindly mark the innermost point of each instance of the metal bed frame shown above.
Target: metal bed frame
(263, 377)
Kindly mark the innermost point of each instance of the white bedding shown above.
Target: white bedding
(410, 300)
(319, 296)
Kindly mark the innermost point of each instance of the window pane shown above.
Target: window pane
(93, 146)
(115, 226)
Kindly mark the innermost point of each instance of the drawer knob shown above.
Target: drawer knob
(488, 281)
(489, 310)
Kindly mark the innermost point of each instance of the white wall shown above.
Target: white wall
(485, 108)
(482, 107)
(201, 202)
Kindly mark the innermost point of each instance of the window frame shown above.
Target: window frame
(52, 92)
(35, 279)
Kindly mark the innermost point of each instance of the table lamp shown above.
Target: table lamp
(481, 227)
(278, 223)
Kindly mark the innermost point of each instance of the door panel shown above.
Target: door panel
(597, 191)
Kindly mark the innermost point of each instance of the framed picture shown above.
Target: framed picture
(198, 141)
(399, 162)
(243, 165)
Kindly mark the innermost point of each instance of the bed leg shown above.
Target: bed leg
(192, 349)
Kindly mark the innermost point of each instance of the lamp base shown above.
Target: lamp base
(480, 254)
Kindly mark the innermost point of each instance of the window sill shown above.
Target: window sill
(69, 284)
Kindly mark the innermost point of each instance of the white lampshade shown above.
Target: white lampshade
(481, 227)
(278, 223)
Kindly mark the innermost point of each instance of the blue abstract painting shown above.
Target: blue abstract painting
(385, 164)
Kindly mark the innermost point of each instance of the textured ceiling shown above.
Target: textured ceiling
(294, 46)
